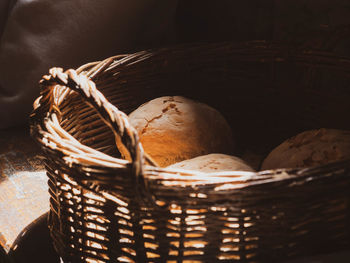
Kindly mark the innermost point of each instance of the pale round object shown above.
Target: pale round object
(214, 162)
(310, 148)
(174, 128)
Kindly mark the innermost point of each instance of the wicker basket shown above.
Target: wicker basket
(105, 208)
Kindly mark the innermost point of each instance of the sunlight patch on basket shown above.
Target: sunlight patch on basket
(194, 223)
(95, 235)
(98, 218)
(218, 208)
(115, 199)
(226, 231)
(93, 209)
(173, 253)
(127, 217)
(198, 195)
(126, 240)
(124, 222)
(228, 257)
(148, 227)
(173, 234)
(251, 255)
(95, 226)
(231, 225)
(129, 251)
(196, 211)
(151, 245)
(68, 195)
(149, 236)
(230, 240)
(160, 203)
(125, 259)
(152, 255)
(227, 187)
(196, 228)
(147, 221)
(94, 244)
(229, 219)
(228, 248)
(248, 239)
(123, 210)
(175, 243)
(248, 225)
(174, 222)
(69, 180)
(188, 253)
(194, 217)
(125, 232)
(65, 187)
(93, 196)
(193, 235)
(171, 227)
(76, 191)
(175, 209)
(93, 260)
(195, 244)
(251, 246)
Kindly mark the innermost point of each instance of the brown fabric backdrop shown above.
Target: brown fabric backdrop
(40, 34)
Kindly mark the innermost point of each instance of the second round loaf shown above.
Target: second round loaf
(214, 162)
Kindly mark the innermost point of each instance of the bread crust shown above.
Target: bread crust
(310, 148)
(174, 128)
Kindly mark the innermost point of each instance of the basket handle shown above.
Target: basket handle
(126, 136)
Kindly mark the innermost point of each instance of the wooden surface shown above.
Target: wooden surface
(23, 184)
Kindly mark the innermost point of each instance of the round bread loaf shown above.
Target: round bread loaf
(310, 148)
(214, 162)
(174, 128)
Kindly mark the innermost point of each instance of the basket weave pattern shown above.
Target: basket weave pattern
(104, 208)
